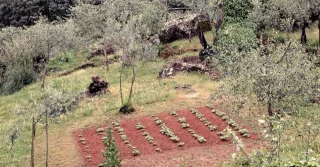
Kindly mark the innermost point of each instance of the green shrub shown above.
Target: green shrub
(25, 51)
(112, 153)
(236, 36)
(236, 10)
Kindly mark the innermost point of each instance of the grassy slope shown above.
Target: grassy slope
(150, 95)
(312, 35)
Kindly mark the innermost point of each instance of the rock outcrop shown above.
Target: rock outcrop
(98, 50)
(188, 64)
(184, 27)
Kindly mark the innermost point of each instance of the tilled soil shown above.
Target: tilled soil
(191, 153)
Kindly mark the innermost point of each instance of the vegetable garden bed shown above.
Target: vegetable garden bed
(158, 134)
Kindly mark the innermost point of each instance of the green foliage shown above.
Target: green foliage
(236, 36)
(284, 14)
(20, 13)
(280, 76)
(68, 60)
(280, 152)
(236, 11)
(58, 103)
(112, 154)
(144, 18)
(25, 52)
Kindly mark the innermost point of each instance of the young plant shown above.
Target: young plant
(244, 133)
(166, 131)
(202, 119)
(174, 113)
(191, 131)
(225, 117)
(193, 111)
(200, 139)
(159, 122)
(139, 126)
(175, 139)
(181, 144)
(212, 127)
(182, 120)
(158, 150)
(111, 154)
(100, 131)
(210, 106)
(214, 111)
(185, 125)
(83, 140)
(135, 151)
(123, 137)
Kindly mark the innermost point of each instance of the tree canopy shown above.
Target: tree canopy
(19, 13)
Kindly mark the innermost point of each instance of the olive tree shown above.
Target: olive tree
(280, 77)
(286, 15)
(25, 52)
(129, 26)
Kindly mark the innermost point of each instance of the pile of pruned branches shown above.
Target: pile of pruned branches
(188, 64)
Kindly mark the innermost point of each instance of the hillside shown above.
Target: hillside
(232, 89)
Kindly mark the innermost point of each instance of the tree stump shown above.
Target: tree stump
(98, 86)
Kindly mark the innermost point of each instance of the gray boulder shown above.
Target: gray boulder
(184, 27)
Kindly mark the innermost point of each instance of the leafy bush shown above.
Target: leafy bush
(112, 153)
(24, 52)
(281, 76)
(280, 152)
(111, 20)
(236, 36)
(236, 10)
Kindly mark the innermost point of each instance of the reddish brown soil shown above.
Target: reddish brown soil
(92, 148)
(169, 149)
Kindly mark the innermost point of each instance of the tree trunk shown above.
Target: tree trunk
(132, 82)
(47, 134)
(121, 72)
(33, 134)
(46, 61)
(319, 31)
(269, 94)
(304, 35)
(106, 57)
(270, 109)
(202, 38)
(220, 17)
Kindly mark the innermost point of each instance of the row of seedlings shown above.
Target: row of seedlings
(183, 122)
(83, 141)
(186, 126)
(124, 138)
(203, 120)
(232, 123)
(147, 136)
(167, 131)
